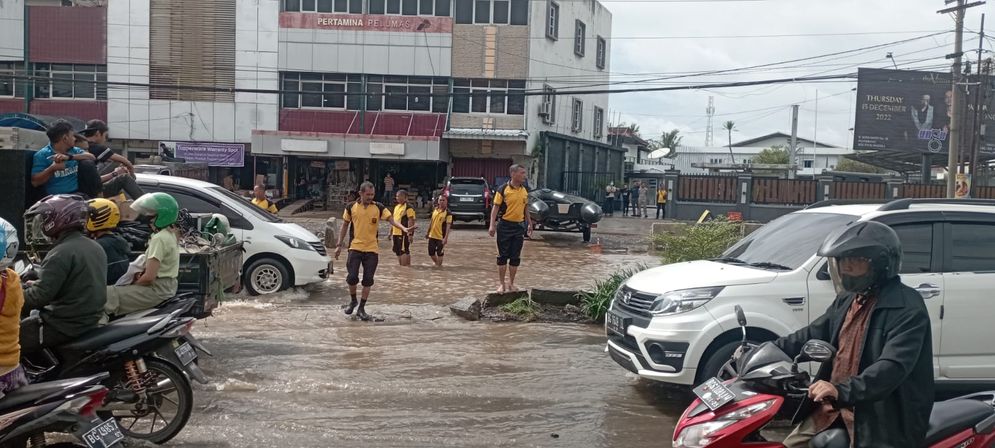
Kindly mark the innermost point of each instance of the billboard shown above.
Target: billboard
(909, 111)
(230, 155)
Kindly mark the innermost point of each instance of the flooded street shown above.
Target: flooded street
(292, 370)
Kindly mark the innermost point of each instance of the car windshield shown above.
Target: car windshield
(258, 212)
(786, 242)
(467, 186)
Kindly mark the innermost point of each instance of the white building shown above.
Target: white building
(812, 159)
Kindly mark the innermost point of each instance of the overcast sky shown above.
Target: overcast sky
(765, 109)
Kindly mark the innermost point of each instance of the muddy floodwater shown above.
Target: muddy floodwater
(291, 370)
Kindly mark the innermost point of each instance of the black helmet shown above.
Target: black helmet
(867, 239)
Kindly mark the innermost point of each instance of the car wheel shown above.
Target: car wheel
(713, 366)
(586, 230)
(266, 276)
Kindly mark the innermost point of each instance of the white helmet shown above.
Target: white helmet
(8, 243)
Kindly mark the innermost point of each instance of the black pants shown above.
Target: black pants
(402, 245)
(510, 239)
(661, 210)
(33, 342)
(368, 260)
(625, 206)
(124, 183)
(435, 248)
(609, 206)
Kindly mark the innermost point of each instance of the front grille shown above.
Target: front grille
(319, 248)
(635, 300)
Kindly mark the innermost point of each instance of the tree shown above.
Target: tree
(671, 140)
(775, 155)
(730, 126)
(853, 166)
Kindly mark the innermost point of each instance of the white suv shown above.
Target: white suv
(676, 323)
(278, 255)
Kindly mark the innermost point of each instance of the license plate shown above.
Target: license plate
(103, 435)
(616, 323)
(186, 353)
(714, 394)
(466, 199)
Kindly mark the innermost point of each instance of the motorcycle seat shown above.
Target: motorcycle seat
(953, 416)
(111, 333)
(33, 392)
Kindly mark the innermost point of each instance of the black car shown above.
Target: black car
(469, 198)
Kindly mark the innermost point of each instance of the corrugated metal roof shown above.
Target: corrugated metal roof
(486, 134)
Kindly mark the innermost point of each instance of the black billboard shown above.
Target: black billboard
(909, 111)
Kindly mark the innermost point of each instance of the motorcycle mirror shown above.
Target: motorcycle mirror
(818, 351)
(740, 316)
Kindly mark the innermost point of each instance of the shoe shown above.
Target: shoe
(352, 306)
(361, 314)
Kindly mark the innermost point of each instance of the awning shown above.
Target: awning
(486, 134)
(37, 122)
(904, 161)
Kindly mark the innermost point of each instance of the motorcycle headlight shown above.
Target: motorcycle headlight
(684, 300)
(294, 243)
(703, 434)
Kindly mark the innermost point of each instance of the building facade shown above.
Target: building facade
(319, 92)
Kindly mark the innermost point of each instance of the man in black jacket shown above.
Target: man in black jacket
(71, 290)
(878, 390)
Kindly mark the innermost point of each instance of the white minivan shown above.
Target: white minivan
(676, 323)
(278, 255)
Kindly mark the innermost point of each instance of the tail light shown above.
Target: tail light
(180, 331)
(89, 404)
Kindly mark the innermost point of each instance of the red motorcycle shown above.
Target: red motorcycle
(731, 413)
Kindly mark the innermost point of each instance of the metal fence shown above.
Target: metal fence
(588, 185)
(772, 191)
(720, 189)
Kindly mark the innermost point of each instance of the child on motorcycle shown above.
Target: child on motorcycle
(101, 221)
(158, 281)
(11, 302)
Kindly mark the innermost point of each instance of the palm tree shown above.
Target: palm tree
(730, 126)
(671, 140)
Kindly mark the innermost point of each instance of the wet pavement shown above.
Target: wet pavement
(292, 370)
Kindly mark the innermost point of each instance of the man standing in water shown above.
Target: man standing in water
(510, 222)
(362, 220)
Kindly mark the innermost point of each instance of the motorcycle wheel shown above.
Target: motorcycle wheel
(167, 406)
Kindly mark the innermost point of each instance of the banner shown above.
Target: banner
(231, 155)
(903, 110)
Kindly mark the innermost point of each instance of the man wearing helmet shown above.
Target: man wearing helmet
(71, 291)
(158, 281)
(101, 222)
(878, 390)
(11, 301)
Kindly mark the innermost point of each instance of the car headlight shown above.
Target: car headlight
(703, 434)
(294, 243)
(683, 300)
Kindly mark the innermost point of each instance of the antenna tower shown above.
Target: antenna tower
(708, 128)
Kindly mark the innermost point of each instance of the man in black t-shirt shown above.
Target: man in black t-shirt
(96, 133)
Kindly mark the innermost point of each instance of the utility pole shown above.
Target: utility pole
(953, 152)
(979, 92)
(794, 142)
(815, 137)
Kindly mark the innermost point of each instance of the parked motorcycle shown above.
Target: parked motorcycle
(731, 413)
(150, 394)
(65, 406)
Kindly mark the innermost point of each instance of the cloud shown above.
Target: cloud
(759, 110)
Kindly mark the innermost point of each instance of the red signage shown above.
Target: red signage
(365, 22)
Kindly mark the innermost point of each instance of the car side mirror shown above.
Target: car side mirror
(823, 273)
(818, 351)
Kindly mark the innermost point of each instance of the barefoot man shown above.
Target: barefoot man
(510, 221)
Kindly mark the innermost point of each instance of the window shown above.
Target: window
(489, 96)
(498, 12)
(808, 163)
(599, 122)
(579, 38)
(972, 247)
(409, 7)
(410, 93)
(340, 6)
(917, 247)
(442, 8)
(602, 52)
(553, 21)
(8, 85)
(548, 108)
(316, 90)
(577, 112)
(79, 81)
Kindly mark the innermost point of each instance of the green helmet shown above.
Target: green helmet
(161, 205)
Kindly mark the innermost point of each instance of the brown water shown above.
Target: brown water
(292, 370)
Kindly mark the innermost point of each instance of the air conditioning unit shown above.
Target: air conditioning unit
(545, 110)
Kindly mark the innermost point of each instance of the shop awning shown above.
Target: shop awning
(37, 122)
(486, 134)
